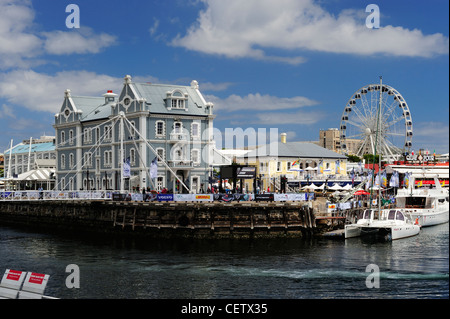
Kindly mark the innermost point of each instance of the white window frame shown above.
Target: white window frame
(107, 158)
(160, 182)
(163, 133)
(88, 160)
(178, 103)
(195, 135)
(63, 138)
(162, 154)
(71, 140)
(132, 156)
(108, 132)
(71, 161)
(63, 161)
(195, 159)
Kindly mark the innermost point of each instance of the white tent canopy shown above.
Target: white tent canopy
(42, 174)
(335, 187)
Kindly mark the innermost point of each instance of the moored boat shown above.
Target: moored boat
(429, 205)
(392, 224)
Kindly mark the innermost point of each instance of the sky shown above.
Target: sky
(286, 64)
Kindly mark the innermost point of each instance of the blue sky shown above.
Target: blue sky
(288, 64)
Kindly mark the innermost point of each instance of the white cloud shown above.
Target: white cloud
(43, 92)
(17, 42)
(6, 111)
(258, 102)
(266, 110)
(239, 29)
(22, 46)
(79, 41)
(300, 117)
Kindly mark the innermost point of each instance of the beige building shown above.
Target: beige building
(330, 139)
(293, 160)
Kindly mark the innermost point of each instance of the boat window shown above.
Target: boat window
(391, 214)
(400, 202)
(366, 214)
(441, 200)
(400, 216)
(415, 202)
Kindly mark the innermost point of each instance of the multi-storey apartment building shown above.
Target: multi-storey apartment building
(98, 136)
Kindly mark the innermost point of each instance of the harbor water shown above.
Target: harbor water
(312, 268)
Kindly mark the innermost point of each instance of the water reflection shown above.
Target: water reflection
(280, 268)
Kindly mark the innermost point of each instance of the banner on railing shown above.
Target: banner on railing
(164, 197)
(289, 197)
(193, 197)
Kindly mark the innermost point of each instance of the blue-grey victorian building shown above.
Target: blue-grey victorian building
(174, 121)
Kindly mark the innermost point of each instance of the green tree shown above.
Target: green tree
(371, 159)
(353, 158)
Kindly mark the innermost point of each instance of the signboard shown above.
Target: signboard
(118, 197)
(289, 197)
(264, 197)
(204, 197)
(164, 197)
(193, 197)
(246, 172)
(13, 279)
(35, 283)
(420, 158)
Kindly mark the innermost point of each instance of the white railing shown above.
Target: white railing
(54, 195)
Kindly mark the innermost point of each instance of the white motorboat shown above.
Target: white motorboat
(392, 224)
(429, 205)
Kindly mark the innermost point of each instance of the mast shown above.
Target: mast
(29, 155)
(375, 149)
(121, 158)
(379, 157)
(10, 154)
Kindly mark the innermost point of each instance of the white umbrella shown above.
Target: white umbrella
(347, 187)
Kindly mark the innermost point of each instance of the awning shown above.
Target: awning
(42, 174)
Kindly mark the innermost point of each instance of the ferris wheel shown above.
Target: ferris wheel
(376, 119)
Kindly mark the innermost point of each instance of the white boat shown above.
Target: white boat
(429, 205)
(392, 224)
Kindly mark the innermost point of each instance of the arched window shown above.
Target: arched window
(132, 156)
(63, 161)
(63, 138)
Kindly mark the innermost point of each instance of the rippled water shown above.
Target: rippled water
(415, 267)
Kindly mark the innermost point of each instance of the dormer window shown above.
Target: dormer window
(176, 100)
(177, 103)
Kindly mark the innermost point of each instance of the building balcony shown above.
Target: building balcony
(178, 137)
(181, 164)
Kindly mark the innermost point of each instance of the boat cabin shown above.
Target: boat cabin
(420, 202)
(395, 215)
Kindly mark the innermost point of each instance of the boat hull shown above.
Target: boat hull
(352, 231)
(384, 232)
(430, 218)
(404, 231)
